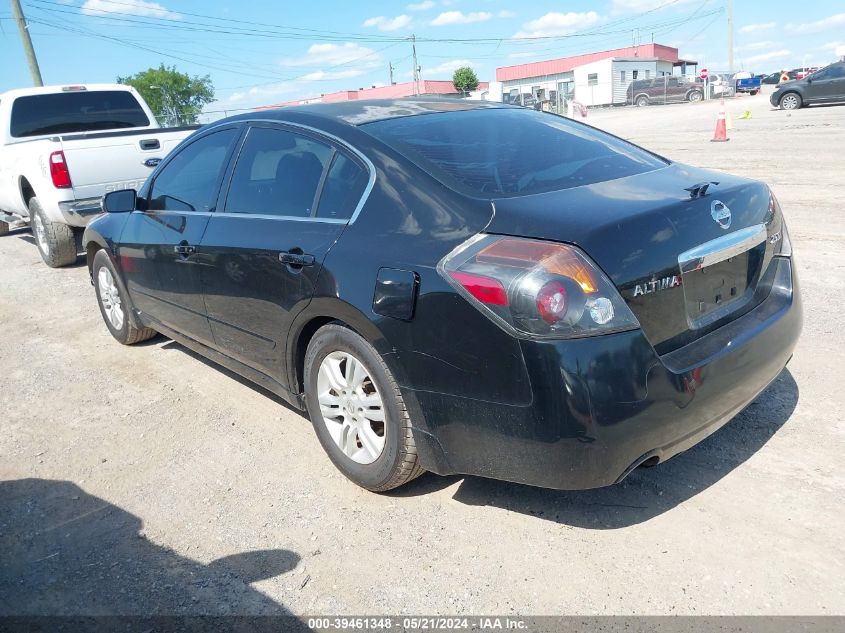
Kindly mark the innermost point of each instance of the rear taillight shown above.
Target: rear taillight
(783, 245)
(536, 288)
(58, 171)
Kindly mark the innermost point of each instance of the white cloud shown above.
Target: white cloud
(638, 6)
(331, 75)
(764, 57)
(422, 6)
(389, 24)
(755, 46)
(447, 68)
(831, 22)
(554, 24)
(504, 13)
(459, 17)
(333, 55)
(761, 26)
(127, 7)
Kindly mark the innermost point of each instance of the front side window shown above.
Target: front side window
(76, 111)
(511, 151)
(278, 173)
(190, 181)
(593, 79)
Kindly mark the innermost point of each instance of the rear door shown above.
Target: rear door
(158, 247)
(290, 195)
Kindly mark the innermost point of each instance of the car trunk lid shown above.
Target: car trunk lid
(685, 260)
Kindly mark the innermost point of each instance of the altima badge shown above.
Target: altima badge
(721, 214)
(657, 284)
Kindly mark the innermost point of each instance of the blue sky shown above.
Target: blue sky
(260, 52)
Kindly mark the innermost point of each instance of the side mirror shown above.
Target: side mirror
(122, 201)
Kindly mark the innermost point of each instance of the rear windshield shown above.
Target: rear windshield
(69, 112)
(511, 151)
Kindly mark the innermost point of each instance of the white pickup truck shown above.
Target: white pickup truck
(63, 147)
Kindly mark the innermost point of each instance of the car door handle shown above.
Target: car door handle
(295, 258)
(185, 249)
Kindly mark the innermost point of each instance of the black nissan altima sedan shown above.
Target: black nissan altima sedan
(459, 287)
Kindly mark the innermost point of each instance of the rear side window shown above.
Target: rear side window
(278, 173)
(191, 179)
(345, 184)
(511, 151)
(82, 111)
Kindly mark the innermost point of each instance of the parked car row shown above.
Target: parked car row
(63, 147)
(437, 298)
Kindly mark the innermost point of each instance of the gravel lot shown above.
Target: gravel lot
(146, 480)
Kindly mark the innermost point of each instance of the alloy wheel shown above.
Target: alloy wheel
(789, 102)
(110, 298)
(351, 407)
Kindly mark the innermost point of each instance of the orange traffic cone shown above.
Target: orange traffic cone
(721, 133)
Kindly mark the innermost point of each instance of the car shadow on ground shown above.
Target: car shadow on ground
(68, 553)
(170, 344)
(26, 236)
(647, 492)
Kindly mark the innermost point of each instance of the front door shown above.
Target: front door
(158, 249)
(290, 196)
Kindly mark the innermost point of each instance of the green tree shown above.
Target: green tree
(465, 80)
(175, 98)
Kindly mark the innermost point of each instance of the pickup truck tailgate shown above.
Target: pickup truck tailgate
(100, 163)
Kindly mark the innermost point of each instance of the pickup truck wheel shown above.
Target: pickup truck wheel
(112, 299)
(357, 410)
(696, 96)
(56, 241)
(642, 101)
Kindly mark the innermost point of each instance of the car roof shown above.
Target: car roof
(361, 112)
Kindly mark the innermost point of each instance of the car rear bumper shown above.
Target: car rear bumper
(79, 212)
(602, 406)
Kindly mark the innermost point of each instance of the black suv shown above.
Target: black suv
(823, 86)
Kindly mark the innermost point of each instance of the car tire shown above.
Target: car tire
(695, 96)
(753, 92)
(114, 304)
(55, 241)
(790, 101)
(641, 101)
(343, 371)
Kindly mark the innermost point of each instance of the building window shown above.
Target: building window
(593, 79)
(636, 72)
(622, 75)
(648, 74)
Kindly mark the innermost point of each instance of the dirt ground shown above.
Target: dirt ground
(146, 480)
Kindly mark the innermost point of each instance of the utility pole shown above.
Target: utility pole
(27, 43)
(731, 36)
(416, 65)
(390, 67)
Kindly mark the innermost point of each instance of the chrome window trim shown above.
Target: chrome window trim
(317, 132)
(722, 248)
